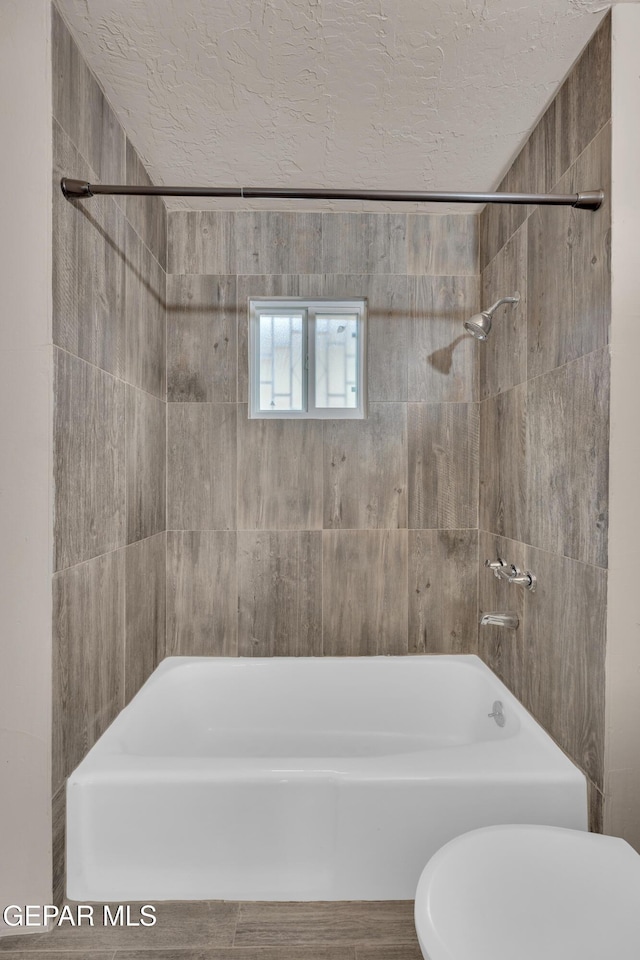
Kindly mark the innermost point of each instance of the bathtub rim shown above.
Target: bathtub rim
(103, 762)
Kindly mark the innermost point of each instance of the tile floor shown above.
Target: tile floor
(224, 930)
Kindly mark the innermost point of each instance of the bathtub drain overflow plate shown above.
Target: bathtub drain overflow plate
(498, 713)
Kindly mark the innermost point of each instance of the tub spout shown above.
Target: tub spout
(509, 620)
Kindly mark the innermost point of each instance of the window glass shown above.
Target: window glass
(281, 361)
(307, 358)
(336, 361)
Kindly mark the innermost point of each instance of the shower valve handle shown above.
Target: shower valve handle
(526, 579)
(501, 570)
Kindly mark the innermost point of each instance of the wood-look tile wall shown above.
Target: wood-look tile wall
(337, 537)
(109, 321)
(544, 419)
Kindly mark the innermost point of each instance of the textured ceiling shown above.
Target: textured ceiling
(395, 94)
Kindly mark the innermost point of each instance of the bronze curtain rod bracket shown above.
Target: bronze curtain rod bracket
(82, 189)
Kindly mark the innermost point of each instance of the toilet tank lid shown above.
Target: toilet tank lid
(528, 891)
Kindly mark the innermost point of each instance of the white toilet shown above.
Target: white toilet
(520, 892)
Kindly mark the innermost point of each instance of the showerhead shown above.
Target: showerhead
(479, 325)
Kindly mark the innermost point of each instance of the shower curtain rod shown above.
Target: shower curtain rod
(82, 189)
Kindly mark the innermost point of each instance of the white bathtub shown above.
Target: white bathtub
(304, 779)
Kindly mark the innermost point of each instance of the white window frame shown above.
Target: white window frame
(310, 308)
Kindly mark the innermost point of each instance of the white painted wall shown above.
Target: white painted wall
(622, 744)
(25, 454)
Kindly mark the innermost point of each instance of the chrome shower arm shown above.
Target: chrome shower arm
(498, 303)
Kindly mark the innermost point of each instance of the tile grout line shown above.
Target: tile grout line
(236, 531)
(237, 920)
(99, 556)
(166, 455)
(96, 179)
(557, 556)
(124, 559)
(354, 944)
(322, 505)
(523, 383)
(322, 274)
(125, 136)
(555, 185)
(114, 376)
(298, 530)
(243, 403)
